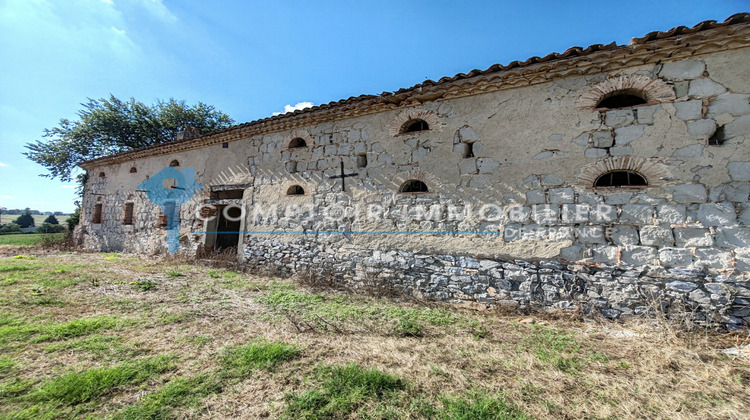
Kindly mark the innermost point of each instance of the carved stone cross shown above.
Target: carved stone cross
(343, 176)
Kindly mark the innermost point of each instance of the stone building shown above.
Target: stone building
(613, 177)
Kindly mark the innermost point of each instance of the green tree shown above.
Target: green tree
(50, 228)
(25, 220)
(10, 228)
(51, 219)
(108, 126)
(73, 219)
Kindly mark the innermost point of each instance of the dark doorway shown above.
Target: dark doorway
(228, 228)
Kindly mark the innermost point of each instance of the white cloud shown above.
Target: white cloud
(158, 9)
(292, 108)
(3, 164)
(7, 197)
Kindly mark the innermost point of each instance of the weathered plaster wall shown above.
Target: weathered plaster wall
(537, 151)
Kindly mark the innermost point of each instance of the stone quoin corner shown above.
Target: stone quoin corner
(608, 178)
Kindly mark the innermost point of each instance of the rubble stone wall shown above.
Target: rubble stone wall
(517, 219)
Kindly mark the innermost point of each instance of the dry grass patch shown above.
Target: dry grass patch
(249, 347)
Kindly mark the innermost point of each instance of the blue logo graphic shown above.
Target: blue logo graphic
(170, 198)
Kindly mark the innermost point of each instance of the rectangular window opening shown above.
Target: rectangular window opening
(128, 217)
(97, 216)
(362, 160)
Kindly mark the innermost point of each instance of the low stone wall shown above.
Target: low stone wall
(614, 291)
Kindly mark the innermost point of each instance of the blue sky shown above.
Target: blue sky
(251, 58)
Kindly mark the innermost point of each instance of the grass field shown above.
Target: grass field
(124, 337)
(27, 239)
(38, 218)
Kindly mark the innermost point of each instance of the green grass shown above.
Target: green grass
(180, 392)
(79, 387)
(144, 285)
(14, 329)
(241, 361)
(28, 239)
(477, 405)
(342, 391)
(318, 309)
(559, 348)
(237, 362)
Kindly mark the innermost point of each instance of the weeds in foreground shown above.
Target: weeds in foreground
(144, 285)
(342, 391)
(236, 363)
(239, 362)
(352, 391)
(78, 387)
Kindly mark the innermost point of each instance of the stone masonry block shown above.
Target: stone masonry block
(693, 237)
(704, 88)
(519, 214)
(701, 128)
(575, 213)
(733, 237)
(621, 151)
(689, 110)
(626, 135)
(623, 235)
(591, 235)
(739, 171)
(738, 192)
(551, 180)
(681, 70)
(717, 214)
(675, 257)
(595, 153)
(561, 195)
(618, 118)
(637, 213)
(535, 197)
(742, 259)
(729, 103)
(739, 127)
(603, 139)
(646, 114)
(487, 165)
(603, 213)
(545, 214)
(605, 254)
(670, 213)
(561, 233)
(639, 255)
(713, 258)
(690, 193)
(619, 198)
(656, 236)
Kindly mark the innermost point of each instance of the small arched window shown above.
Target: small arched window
(413, 126)
(413, 186)
(295, 190)
(174, 163)
(621, 179)
(102, 175)
(297, 143)
(133, 170)
(622, 99)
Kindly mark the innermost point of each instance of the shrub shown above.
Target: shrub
(50, 228)
(51, 219)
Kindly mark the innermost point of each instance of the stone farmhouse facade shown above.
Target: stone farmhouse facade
(613, 178)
